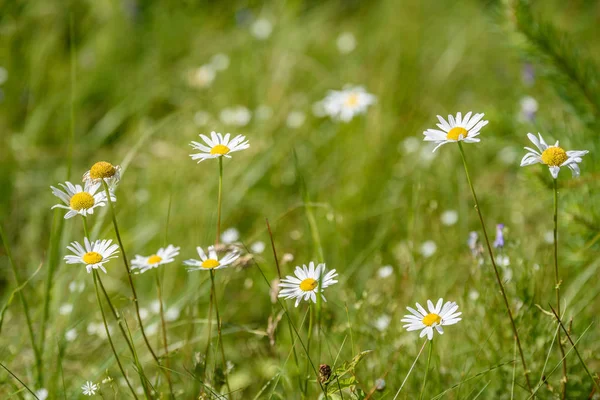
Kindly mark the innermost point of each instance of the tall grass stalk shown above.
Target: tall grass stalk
(19, 380)
(36, 351)
(497, 274)
(410, 370)
(557, 282)
(164, 333)
(112, 346)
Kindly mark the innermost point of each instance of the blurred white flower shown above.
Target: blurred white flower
(449, 217)
(385, 271)
(236, 116)
(71, 335)
(410, 145)
(3, 75)
(428, 248)
(295, 119)
(258, 247)
(155, 306)
(346, 42)
(172, 314)
(508, 155)
(202, 77)
(529, 107)
(549, 237)
(383, 322)
(89, 389)
(261, 28)
(437, 317)
(508, 274)
(65, 309)
(263, 112)
(201, 118)
(144, 313)
(344, 104)
(41, 394)
(218, 146)
(552, 156)
(75, 286)
(152, 329)
(473, 294)
(230, 235)
(219, 62)
(456, 130)
(141, 264)
(287, 257)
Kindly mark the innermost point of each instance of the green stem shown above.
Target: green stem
(563, 383)
(112, 346)
(164, 332)
(36, 351)
(219, 200)
(308, 340)
(220, 338)
(497, 274)
(426, 369)
(209, 333)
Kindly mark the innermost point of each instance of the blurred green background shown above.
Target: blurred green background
(84, 81)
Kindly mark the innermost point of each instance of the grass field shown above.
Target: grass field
(133, 83)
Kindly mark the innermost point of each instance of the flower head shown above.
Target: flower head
(211, 261)
(93, 254)
(163, 256)
(437, 317)
(89, 389)
(103, 170)
(499, 241)
(307, 283)
(345, 104)
(80, 200)
(456, 129)
(552, 156)
(218, 146)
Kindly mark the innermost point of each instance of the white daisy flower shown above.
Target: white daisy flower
(218, 146)
(89, 389)
(163, 256)
(437, 317)
(80, 200)
(455, 130)
(94, 255)
(211, 261)
(345, 104)
(305, 285)
(553, 156)
(104, 170)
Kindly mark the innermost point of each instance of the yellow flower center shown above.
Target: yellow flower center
(102, 169)
(431, 319)
(351, 100)
(154, 259)
(81, 201)
(210, 263)
(219, 149)
(308, 284)
(456, 132)
(92, 258)
(554, 156)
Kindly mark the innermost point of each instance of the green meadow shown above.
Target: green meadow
(133, 83)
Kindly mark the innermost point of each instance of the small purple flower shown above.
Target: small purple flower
(473, 239)
(499, 242)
